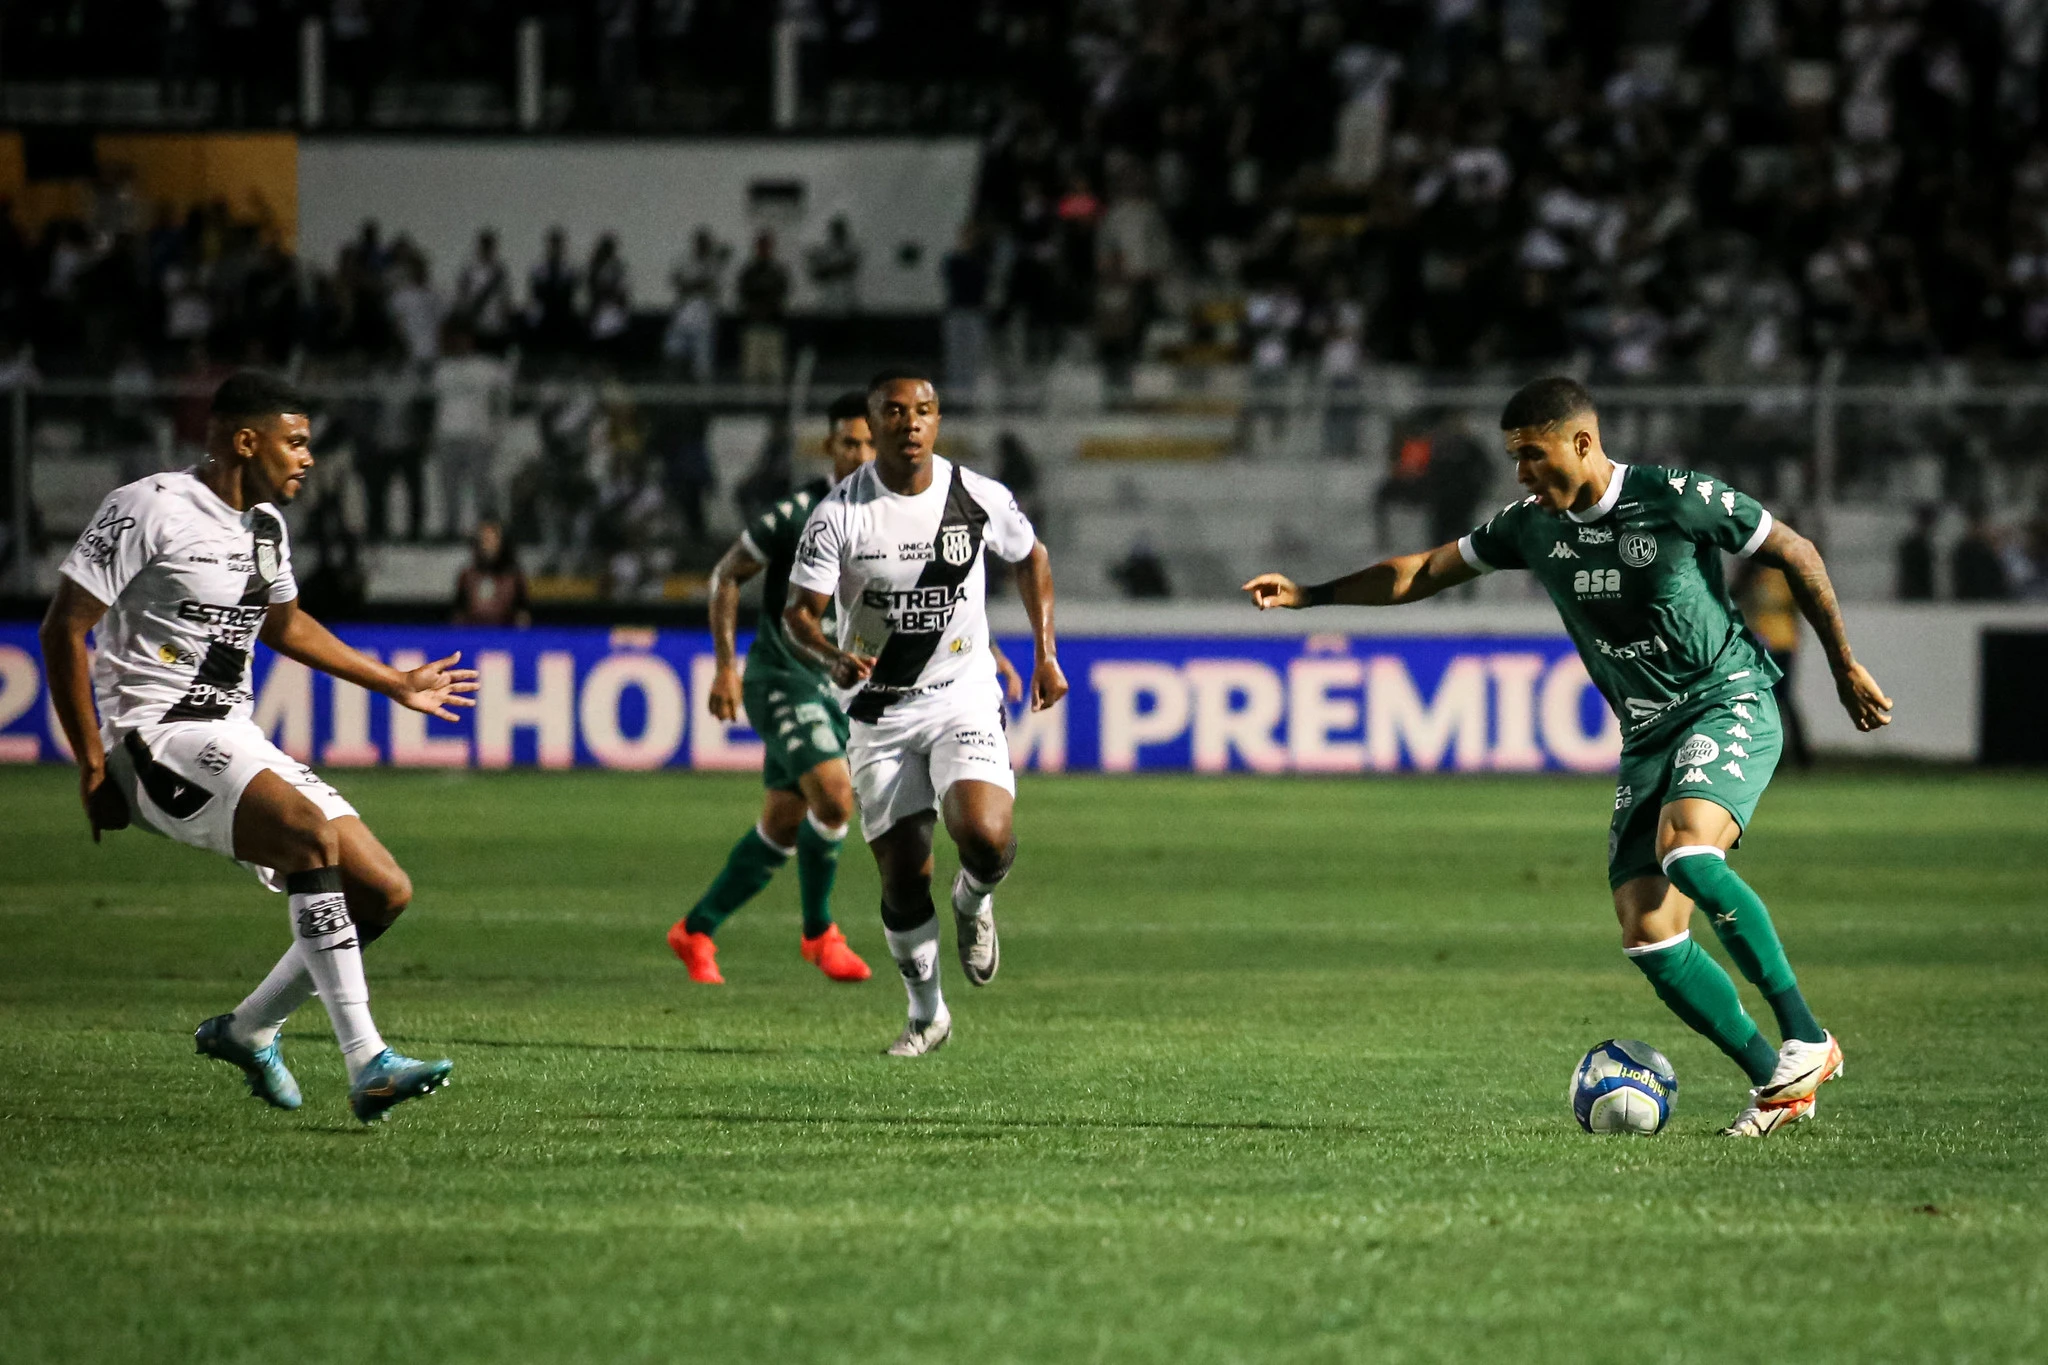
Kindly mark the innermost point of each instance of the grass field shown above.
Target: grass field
(1274, 1070)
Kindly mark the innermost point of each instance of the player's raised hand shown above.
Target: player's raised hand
(1865, 701)
(724, 697)
(1270, 590)
(851, 670)
(1048, 684)
(435, 687)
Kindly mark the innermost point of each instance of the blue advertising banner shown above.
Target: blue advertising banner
(632, 698)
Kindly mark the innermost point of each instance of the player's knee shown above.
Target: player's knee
(832, 806)
(307, 840)
(390, 894)
(987, 848)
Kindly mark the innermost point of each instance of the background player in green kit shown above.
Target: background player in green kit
(1631, 555)
(789, 702)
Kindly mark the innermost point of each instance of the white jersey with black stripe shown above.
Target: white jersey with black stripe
(187, 581)
(911, 566)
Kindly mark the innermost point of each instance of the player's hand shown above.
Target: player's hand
(1270, 590)
(851, 670)
(435, 687)
(105, 807)
(1013, 683)
(724, 697)
(1864, 700)
(1048, 684)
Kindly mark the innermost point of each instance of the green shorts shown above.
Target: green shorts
(1724, 753)
(798, 721)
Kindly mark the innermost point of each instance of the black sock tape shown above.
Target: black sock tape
(314, 882)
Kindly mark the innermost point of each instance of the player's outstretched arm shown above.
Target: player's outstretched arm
(431, 688)
(735, 567)
(803, 622)
(1034, 586)
(1784, 548)
(1389, 583)
(72, 615)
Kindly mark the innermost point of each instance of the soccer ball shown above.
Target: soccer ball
(1624, 1086)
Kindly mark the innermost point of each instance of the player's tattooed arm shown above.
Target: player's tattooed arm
(431, 688)
(72, 615)
(735, 567)
(1389, 583)
(1034, 587)
(803, 622)
(1787, 550)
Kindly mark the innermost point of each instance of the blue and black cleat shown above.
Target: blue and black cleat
(389, 1079)
(264, 1067)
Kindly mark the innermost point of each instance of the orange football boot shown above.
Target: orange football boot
(829, 953)
(698, 953)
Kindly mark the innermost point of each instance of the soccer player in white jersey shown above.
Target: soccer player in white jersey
(899, 545)
(181, 574)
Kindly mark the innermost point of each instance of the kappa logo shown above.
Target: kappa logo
(1677, 482)
(1742, 712)
(1705, 488)
(1638, 549)
(955, 547)
(1728, 503)
(1696, 752)
(1563, 551)
(1739, 732)
(1693, 776)
(1737, 750)
(1731, 766)
(215, 757)
(1596, 535)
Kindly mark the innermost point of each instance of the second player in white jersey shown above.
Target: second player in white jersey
(900, 547)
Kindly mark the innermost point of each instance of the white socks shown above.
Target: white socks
(328, 948)
(970, 894)
(258, 1018)
(917, 956)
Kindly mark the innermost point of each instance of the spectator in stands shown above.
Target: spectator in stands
(1975, 565)
(554, 295)
(483, 297)
(611, 301)
(491, 590)
(772, 476)
(691, 341)
(415, 310)
(1915, 557)
(1141, 573)
(391, 445)
(17, 373)
(834, 268)
(680, 438)
(764, 298)
(328, 560)
(472, 396)
(964, 328)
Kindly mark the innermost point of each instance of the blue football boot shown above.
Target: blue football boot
(268, 1079)
(390, 1078)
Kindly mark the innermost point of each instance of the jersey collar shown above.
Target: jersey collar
(1607, 499)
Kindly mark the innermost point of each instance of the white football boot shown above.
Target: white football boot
(1762, 1120)
(1802, 1069)
(974, 926)
(921, 1036)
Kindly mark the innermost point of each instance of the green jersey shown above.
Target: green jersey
(772, 538)
(1637, 579)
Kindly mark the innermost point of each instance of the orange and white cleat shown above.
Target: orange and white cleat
(830, 954)
(698, 953)
(1762, 1120)
(1802, 1069)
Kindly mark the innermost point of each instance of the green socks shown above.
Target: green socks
(1695, 988)
(817, 864)
(747, 869)
(1744, 926)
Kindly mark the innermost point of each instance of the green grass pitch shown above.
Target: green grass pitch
(1274, 1070)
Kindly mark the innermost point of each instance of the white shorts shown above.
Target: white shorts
(906, 762)
(189, 775)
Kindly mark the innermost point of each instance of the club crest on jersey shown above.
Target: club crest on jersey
(1638, 549)
(1696, 752)
(954, 545)
(266, 560)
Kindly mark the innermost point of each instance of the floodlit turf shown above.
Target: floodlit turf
(1274, 1070)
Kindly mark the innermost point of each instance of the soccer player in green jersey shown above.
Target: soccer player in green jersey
(788, 700)
(1631, 555)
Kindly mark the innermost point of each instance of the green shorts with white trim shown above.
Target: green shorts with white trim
(1724, 753)
(799, 722)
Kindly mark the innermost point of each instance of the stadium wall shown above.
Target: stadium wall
(905, 199)
(1451, 690)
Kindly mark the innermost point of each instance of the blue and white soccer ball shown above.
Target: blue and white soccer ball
(1624, 1086)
